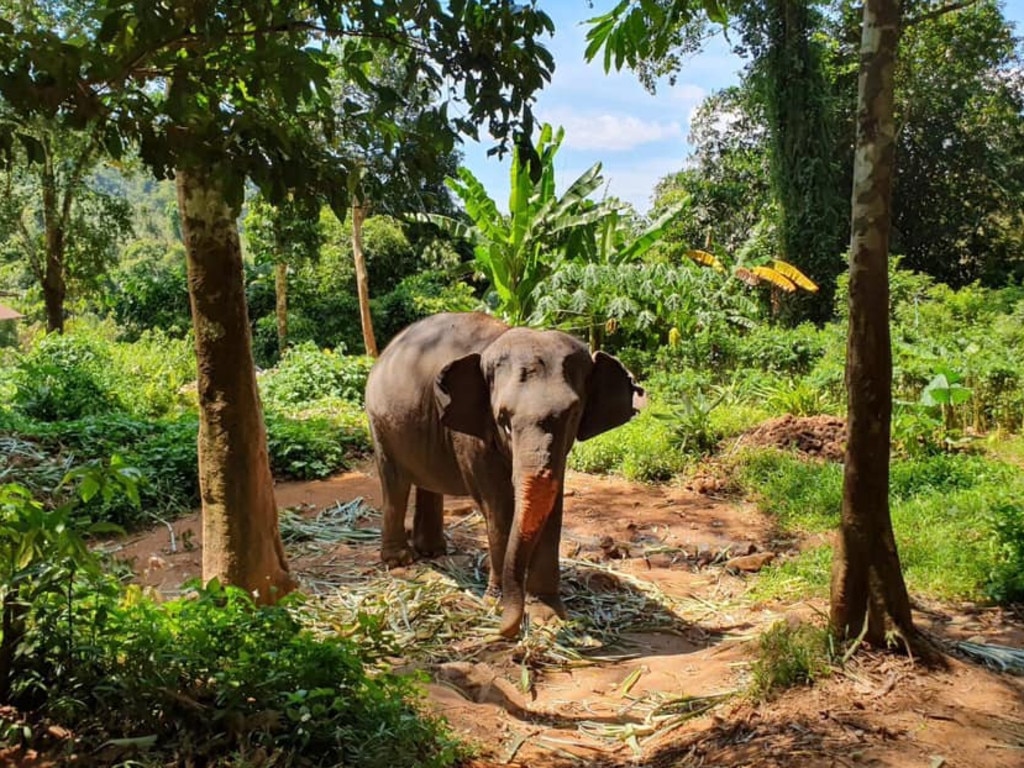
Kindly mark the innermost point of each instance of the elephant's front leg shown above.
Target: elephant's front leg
(543, 579)
(498, 510)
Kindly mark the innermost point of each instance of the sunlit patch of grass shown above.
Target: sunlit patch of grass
(958, 520)
(802, 576)
(735, 419)
(1009, 449)
(800, 495)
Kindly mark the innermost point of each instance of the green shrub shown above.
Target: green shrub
(152, 295)
(642, 450)
(152, 373)
(164, 452)
(211, 678)
(939, 474)
(308, 373)
(1005, 514)
(304, 449)
(418, 296)
(689, 420)
(84, 373)
(64, 377)
(793, 351)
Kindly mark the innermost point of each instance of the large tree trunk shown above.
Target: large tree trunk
(281, 304)
(362, 279)
(867, 582)
(241, 542)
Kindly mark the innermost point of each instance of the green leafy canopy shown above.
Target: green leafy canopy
(244, 90)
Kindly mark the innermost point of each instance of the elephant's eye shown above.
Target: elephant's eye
(505, 423)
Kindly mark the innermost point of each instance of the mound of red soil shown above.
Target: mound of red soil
(820, 436)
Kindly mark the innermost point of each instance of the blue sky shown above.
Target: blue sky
(638, 138)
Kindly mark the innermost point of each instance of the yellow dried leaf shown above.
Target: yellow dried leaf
(777, 279)
(706, 259)
(794, 275)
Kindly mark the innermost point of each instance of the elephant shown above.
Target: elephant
(462, 404)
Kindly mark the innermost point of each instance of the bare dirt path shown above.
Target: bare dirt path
(880, 711)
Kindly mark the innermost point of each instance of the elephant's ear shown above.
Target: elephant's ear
(463, 398)
(612, 397)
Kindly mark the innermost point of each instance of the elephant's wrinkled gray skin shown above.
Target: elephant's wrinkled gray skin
(463, 404)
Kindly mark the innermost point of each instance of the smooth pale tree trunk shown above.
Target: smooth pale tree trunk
(241, 541)
(867, 581)
(362, 279)
(281, 304)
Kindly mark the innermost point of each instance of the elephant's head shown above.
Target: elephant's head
(532, 394)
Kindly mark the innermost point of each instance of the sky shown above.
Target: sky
(638, 138)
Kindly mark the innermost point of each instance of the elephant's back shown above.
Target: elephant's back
(404, 374)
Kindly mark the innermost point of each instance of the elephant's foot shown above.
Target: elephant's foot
(511, 620)
(542, 609)
(397, 555)
(545, 608)
(431, 545)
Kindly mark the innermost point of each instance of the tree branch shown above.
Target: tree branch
(940, 11)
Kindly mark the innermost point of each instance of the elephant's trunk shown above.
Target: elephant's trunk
(536, 495)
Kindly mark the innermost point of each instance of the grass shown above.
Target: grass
(957, 519)
(1009, 449)
(789, 655)
(791, 579)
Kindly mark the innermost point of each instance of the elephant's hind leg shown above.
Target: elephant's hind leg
(428, 524)
(395, 486)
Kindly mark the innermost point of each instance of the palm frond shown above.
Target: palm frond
(793, 274)
(779, 280)
(706, 259)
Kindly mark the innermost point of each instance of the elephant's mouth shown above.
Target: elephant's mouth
(539, 492)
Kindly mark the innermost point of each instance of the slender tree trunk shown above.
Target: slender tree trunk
(867, 581)
(596, 335)
(281, 304)
(241, 541)
(362, 279)
(13, 611)
(54, 285)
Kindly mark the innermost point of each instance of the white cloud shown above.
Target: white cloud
(689, 93)
(625, 178)
(609, 131)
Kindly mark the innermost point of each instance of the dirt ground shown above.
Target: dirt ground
(880, 711)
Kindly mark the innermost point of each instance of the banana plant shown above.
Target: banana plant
(516, 251)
